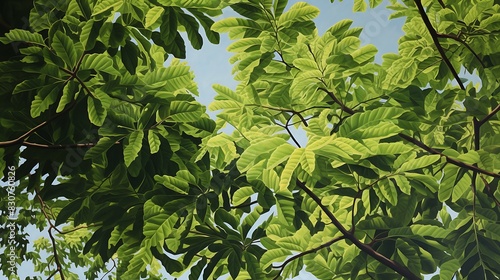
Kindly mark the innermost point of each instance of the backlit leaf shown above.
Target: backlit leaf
(133, 147)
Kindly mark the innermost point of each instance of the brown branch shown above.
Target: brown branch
(402, 270)
(435, 36)
(490, 115)
(463, 43)
(336, 100)
(52, 239)
(56, 257)
(22, 138)
(422, 145)
(490, 191)
(111, 269)
(448, 159)
(310, 251)
(298, 113)
(290, 132)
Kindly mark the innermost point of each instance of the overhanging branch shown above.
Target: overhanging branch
(19, 140)
(424, 146)
(310, 251)
(435, 36)
(402, 270)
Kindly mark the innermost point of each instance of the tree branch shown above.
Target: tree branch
(490, 115)
(310, 251)
(52, 239)
(422, 145)
(435, 36)
(463, 43)
(336, 100)
(448, 159)
(402, 270)
(22, 138)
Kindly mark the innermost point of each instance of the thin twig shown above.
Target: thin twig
(310, 251)
(52, 239)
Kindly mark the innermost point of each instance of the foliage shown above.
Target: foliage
(119, 163)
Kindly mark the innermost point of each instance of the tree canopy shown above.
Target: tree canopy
(106, 150)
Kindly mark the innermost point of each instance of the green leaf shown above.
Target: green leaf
(28, 85)
(273, 255)
(46, 96)
(365, 54)
(153, 15)
(368, 119)
(69, 210)
(242, 194)
(175, 184)
(154, 142)
(381, 130)
(305, 64)
(20, 35)
(207, 23)
(249, 156)
(69, 91)
(192, 27)
(419, 163)
(290, 167)
(175, 77)
(227, 24)
(182, 111)
(448, 269)
(100, 63)
(389, 192)
(197, 269)
(375, 3)
(235, 260)
(104, 5)
(97, 113)
(133, 146)
(130, 56)
(207, 4)
(64, 48)
(103, 145)
(292, 243)
(403, 184)
(359, 6)
(138, 263)
(300, 11)
(280, 154)
(348, 45)
(89, 34)
(308, 161)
